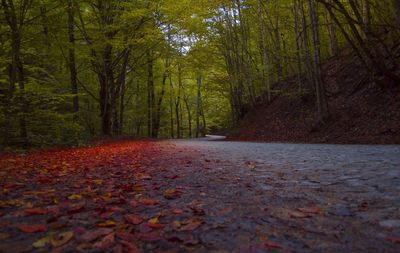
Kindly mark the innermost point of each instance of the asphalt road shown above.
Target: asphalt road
(353, 192)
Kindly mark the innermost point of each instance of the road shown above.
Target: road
(354, 189)
(206, 195)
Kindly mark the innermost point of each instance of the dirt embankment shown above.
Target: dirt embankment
(361, 111)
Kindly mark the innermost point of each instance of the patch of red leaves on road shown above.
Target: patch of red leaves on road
(102, 197)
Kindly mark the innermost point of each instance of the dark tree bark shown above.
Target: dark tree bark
(150, 93)
(16, 73)
(322, 103)
(72, 61)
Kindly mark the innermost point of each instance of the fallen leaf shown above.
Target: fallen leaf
(311, 210)
(126, 236)
(32, 228)
(153, 220)
(134, 219)
(148, 202)
(115, 209)
(62, 239)
(129, 247)
(298, 215)
(75, 197)
(41, 242)
(106, 242)
(171, 194)
(393, 239)
(35, 211)
(272, 245)
(93, 235)
(142, 176)
(106, 224)
(76, 208)
(191, 224)
(4, 236)
(177, 211)
(154, 223)
(156, 226)
(187, 239)
(197, 210)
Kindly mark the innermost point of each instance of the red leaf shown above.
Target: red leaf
(134, 219)
(76, 208)
(156, 225)
(272, 245)
(126, 236)
(35, 211)
(393, 239)
(92, 235)
(33, 228)
(148, 202)
(106, 242)
(129, 247)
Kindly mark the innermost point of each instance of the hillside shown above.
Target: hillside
(361, 111)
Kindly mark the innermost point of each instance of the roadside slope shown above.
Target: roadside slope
(361, 111)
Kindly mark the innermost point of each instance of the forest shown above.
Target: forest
(74, 70)
(196, 126)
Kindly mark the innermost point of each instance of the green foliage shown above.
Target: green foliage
(238, 49)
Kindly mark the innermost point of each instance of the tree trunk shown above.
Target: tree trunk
(322, 103)
(17, 74)
(189, 116)
(278, 50)
(178, 104)
(298, 47)
(106, 84)
(306, 45)
(366, 18)
(150, 93)
(198, 106)
(396, 11)
(72, 62)
(171, 109)
(157, 116)
(264, 53)
(333, 42)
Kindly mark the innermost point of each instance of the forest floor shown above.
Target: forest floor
(201, 196)
(362, 112)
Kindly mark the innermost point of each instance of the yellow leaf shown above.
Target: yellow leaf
(42, 242)
(75, 197)
(109, 223)
(153, 220)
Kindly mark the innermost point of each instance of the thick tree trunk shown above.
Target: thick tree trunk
(150, 93)
(157, 116)
(106, 85)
